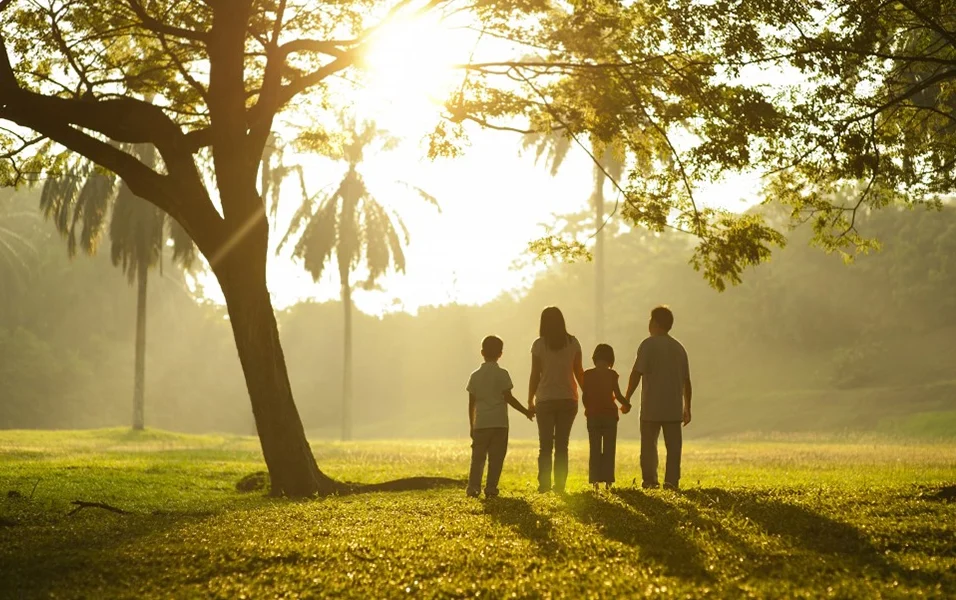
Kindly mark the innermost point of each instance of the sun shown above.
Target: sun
(410, 70)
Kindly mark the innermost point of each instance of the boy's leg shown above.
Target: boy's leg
(497, 449)
(673, 441)
(479, 449)
(595, 474)
(650, 431)
(564, 419)
(544, 415)
(610, 449)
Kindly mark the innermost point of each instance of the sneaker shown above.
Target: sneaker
(473, 493)
(671, 486)
(543, 490)
(650, 485)
(492, 494)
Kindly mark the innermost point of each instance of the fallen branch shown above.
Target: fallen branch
(80, 505)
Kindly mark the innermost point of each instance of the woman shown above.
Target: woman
(553, 395)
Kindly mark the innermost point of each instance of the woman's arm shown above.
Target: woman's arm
(578, 369)
(534, 380)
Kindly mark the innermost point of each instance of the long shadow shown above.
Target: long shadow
(517, 514)
(799, 525)
(825, 538)
(647, 523)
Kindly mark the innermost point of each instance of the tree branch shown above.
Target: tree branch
(156, 26)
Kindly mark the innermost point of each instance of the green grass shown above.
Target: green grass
(757, 518)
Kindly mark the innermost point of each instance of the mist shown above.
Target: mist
(806, 344)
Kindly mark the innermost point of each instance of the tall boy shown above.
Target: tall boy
(665, 397)
(489, 394)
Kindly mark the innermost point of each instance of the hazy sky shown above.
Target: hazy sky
(494, 200)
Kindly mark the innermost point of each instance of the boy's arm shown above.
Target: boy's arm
(513, 402)
(688, 393)
(471, 411)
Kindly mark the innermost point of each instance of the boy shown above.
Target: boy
(489, 394)
(665, 397)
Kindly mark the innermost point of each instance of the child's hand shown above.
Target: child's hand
(530, 414)
(625, 408)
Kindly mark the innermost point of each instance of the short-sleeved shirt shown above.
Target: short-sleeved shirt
(663, 365)
(598, 393)
(557, 370)
(488, 385)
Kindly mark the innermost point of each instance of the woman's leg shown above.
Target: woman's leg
(564, 419)
(544, 415)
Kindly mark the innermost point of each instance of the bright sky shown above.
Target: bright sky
(494, 200)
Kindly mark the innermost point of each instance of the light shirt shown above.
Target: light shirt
(662, 363)
(488, 385)
(557, 370)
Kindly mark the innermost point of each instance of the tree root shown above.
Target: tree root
(260, 481)
(80, 505)
(407, 484)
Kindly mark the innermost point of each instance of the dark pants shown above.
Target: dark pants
(602, 433)
(555, 418)
(490, 443)
(650, 430)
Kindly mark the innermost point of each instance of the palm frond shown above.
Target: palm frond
(301, 216)
(375, 234)
(318, 239)
(421, 194)
(184, 248)
(92, 205)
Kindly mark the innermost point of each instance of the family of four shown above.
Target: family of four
(661, 369)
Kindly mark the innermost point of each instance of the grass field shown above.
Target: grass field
(779, 518)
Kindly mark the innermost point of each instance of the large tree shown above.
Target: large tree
(73, 73)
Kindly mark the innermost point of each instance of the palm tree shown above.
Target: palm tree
(355, 227)
(608, 161)
(79, 200)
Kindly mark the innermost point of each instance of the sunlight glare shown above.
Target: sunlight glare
(410, 73)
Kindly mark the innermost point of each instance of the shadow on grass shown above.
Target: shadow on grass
(826, 539)
(799, 525)
(517, 514)
(647, 523)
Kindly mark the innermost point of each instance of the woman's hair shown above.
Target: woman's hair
(553, 329)
(604, 352)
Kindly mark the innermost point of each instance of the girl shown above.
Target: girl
(600, 389)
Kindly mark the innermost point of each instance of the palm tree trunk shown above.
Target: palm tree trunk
(347, 364)
(292, 468)
(139, 375)
(599, 253)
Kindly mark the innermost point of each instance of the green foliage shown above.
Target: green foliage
(757, 519)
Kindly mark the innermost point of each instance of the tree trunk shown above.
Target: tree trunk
(599, 254)
(347, 364)
(292, 468)
(139, 375)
